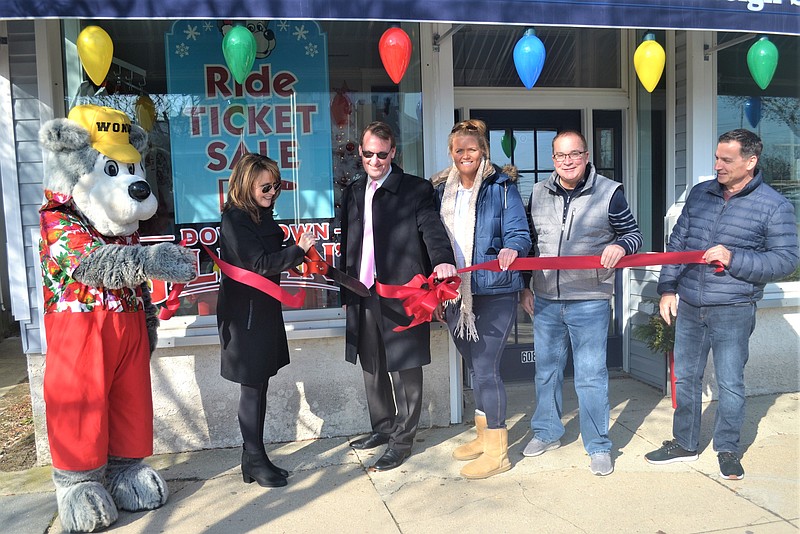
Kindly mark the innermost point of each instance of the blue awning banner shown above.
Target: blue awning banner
(763, 16)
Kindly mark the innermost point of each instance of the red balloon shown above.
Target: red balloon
(395, 50)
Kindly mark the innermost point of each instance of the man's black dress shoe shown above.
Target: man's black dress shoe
(375, 439)
(391, 458)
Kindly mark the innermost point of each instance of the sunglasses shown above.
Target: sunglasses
(269, 187)
(368, 155)
(464, 126)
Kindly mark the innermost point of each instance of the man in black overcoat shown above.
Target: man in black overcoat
(405, 238)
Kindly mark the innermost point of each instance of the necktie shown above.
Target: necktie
(367, 270)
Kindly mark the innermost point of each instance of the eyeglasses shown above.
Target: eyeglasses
(269, 187)
(464, 125)
(574, 155)
(368, 155)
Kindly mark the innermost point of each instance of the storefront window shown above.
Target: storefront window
(483, 56)
(772, 113)
(312, 89)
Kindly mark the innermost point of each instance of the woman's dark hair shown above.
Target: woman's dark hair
(240, 186)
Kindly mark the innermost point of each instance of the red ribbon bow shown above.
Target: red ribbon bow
(421, 296)
(313, 262)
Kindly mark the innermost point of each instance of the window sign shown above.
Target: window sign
(281, 110)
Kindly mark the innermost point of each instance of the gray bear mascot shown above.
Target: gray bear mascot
(100, 322)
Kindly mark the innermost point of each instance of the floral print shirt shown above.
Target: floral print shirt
(67, 238)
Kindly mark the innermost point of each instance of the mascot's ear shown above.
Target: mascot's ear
(138, 138)
(63, 135)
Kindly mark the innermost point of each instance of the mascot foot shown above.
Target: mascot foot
(134, 485)
(84, 505)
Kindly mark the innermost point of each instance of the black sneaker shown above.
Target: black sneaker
(670, 452)
(729, 466)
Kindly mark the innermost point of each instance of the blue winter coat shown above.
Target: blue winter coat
(500, 223)
(757, 225)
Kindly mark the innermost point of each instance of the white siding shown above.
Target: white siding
(22, 177)
(681, 135)
(644, 364)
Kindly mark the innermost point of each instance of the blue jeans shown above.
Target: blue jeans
(726, 331)
(584, 325)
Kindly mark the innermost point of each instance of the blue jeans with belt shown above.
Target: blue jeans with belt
(725, 330)
(583, 324)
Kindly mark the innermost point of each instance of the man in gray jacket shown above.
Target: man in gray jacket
(575, 212)
(750, 230)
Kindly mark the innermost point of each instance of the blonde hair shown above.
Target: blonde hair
(240, 186)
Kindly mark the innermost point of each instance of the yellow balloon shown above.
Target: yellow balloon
(649, 60)
(95, 50)
(145, 112)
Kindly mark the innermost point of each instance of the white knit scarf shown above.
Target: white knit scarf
(466, 322)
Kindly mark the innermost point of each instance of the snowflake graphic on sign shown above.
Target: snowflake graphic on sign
(191, 33)
(300, 32)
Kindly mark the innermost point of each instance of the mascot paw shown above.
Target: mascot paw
(172, 263)
(135, 485)
(85, 507)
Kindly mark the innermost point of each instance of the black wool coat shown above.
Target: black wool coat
(410, 239)
(251, 331)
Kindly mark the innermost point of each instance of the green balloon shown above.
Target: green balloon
(762, 59)
(509, 143)
(239, 49)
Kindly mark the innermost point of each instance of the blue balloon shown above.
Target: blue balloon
(529, 58)
(752, 110)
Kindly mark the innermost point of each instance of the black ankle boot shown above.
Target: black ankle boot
(279, 470)
(256, 468)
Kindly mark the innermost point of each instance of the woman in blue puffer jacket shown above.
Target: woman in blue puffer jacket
(485, 219)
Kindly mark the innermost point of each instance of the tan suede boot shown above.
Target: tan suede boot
(494, 459)
(473, 449)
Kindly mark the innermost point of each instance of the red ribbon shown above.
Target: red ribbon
(672, 379)
(420, 301)
(256, 281)
(593, 262)
(420, 296)
(243, 276)
(173, 302)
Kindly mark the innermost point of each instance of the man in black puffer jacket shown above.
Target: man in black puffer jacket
(751, 230)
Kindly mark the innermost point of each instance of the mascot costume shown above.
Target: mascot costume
(100, 322)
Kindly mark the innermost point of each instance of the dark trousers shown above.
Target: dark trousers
(394, 399)
(494, 319)
(252, 413)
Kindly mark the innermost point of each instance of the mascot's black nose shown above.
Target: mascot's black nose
(139, 190)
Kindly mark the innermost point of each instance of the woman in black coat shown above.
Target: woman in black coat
(251, 331)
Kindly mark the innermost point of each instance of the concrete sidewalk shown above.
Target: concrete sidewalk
(330, 489)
